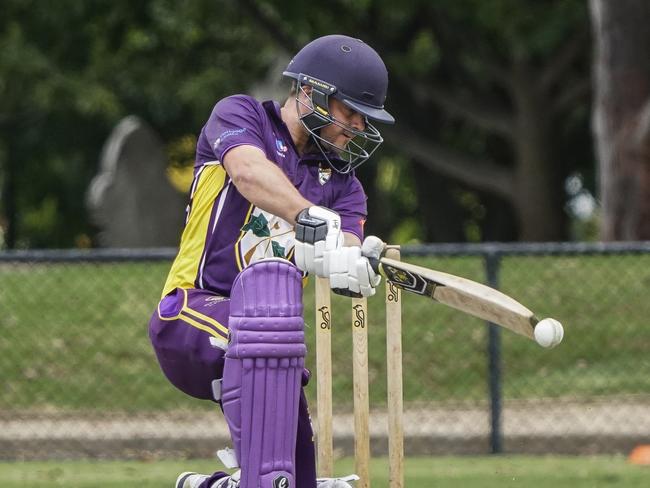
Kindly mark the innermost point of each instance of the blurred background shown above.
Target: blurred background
(521, 158)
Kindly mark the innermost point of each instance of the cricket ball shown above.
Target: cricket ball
(549, 333)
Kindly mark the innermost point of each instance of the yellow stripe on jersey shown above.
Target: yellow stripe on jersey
(238, 258)
(183, 273)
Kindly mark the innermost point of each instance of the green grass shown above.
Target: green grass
(438, 472)
(74, 337)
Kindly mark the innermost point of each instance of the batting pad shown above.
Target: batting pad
(262, 373)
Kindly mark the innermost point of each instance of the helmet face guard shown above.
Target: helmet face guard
(342, 159)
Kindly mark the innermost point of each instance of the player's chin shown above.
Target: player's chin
(338, 145)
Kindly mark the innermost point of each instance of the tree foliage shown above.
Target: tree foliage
(71, 72)
(491, 100)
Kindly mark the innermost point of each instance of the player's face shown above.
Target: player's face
(336, 134)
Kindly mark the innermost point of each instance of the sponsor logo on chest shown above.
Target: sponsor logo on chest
(281, 148)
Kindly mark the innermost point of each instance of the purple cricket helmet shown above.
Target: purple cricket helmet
(352, 67)
(351, 71)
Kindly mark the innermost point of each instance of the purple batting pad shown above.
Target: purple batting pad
(262, 372)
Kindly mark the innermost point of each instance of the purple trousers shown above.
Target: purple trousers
(189, 333)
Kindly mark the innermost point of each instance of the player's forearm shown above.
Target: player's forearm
(263, 184)
(350, 239)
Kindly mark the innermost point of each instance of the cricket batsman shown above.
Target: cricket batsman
(274, 198)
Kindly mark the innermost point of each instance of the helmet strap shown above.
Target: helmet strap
(319, 116)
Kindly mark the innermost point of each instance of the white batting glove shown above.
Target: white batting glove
(337, 482)
(318, 232)
(351, 273)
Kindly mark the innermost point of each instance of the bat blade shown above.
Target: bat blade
(465, 295)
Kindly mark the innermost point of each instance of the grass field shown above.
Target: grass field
(74, 343)
(440, 472)
(75, 336)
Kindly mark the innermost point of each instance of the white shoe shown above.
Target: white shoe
(193, 480)
(337, 482)
(190, 480)
(231, 481)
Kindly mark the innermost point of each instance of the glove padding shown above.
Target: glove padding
(318, 232)
(351, 273)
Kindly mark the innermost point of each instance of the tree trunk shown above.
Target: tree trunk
(500, 223)
(621, 117)
(538, 195)
(441, 217)
(8, 193)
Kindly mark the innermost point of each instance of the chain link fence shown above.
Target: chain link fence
(80, 378)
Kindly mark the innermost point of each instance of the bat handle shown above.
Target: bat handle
(374, 264)
(374, 249)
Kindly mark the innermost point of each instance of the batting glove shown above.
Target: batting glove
(351, 273)
(372, 247)
(318, 232)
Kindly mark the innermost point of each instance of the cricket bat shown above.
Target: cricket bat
(470, 297)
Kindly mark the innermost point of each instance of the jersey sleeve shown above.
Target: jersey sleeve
(235, 121)
(351, 205)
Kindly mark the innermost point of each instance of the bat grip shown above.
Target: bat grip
(374, 264)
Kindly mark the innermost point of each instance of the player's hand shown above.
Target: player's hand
(318, 232)
(351, 274)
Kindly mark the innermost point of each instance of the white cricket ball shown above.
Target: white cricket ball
(549, 333)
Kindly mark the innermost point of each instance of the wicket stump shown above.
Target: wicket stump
(360, 382)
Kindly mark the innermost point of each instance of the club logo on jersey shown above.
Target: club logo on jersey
(263, 236)
(281, 147)
(281, 482)
(258, 225)
(324, 174)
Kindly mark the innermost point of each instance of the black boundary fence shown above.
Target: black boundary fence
(491, 255)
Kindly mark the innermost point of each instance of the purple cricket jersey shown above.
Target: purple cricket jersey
(223, 231)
